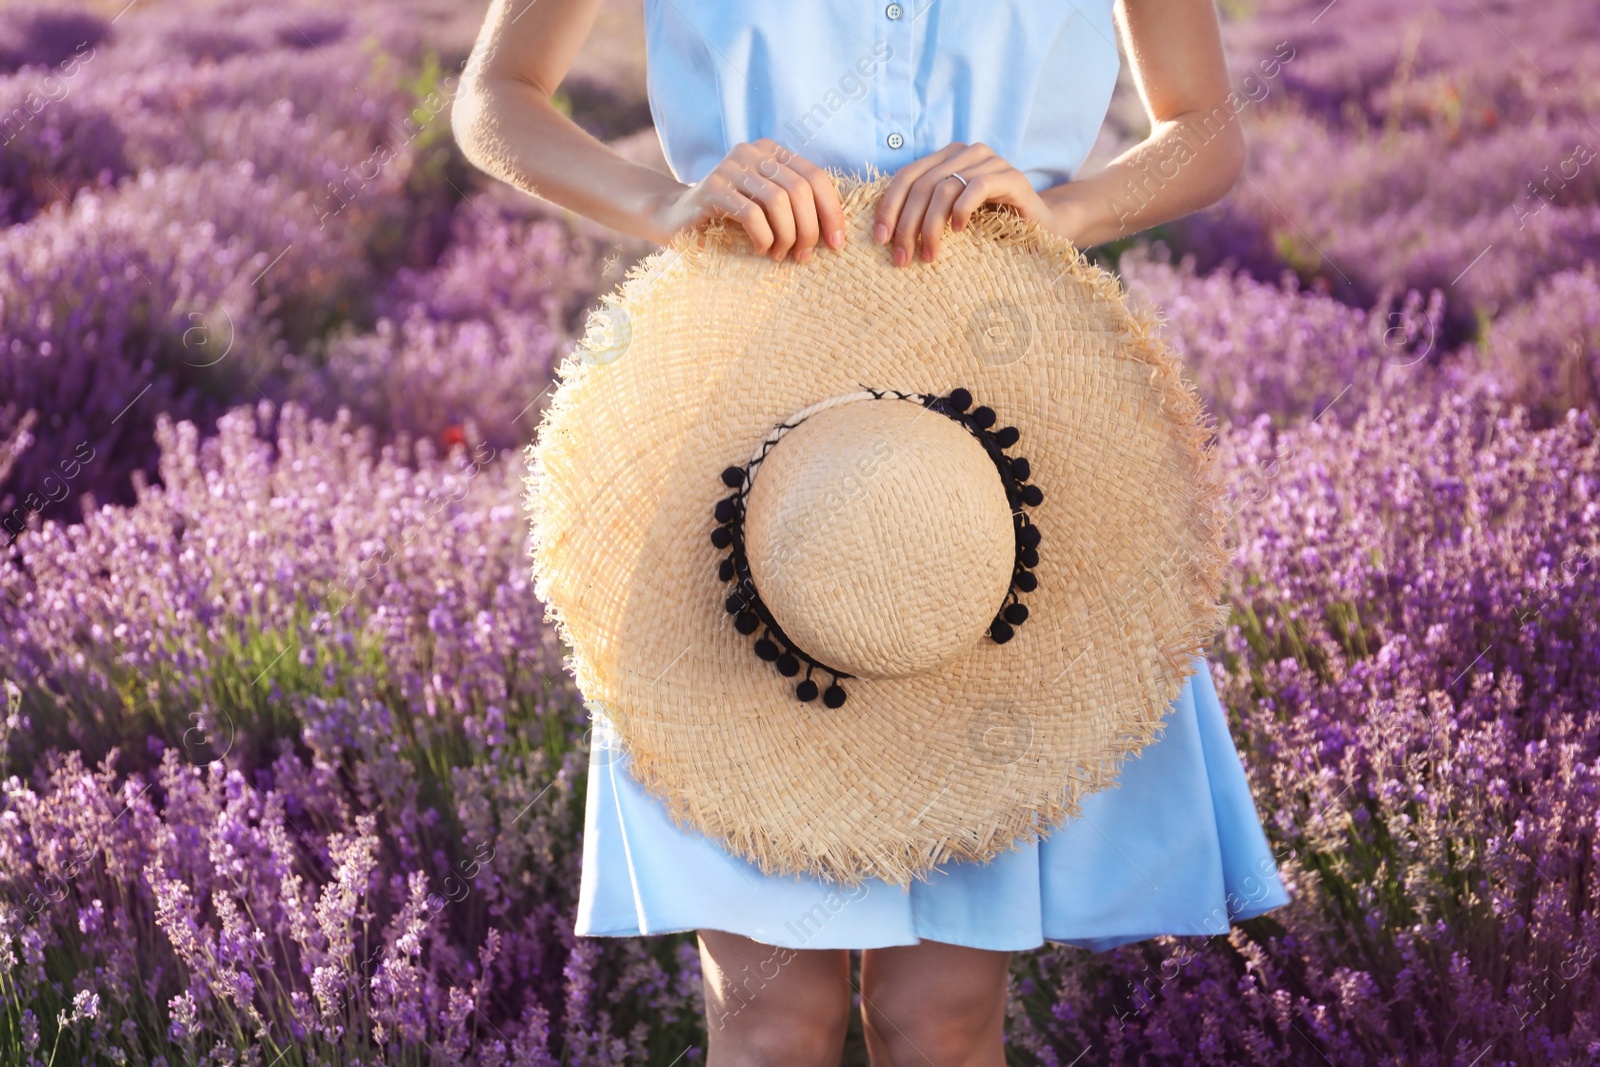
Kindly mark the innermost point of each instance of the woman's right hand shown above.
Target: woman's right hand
(784, 202)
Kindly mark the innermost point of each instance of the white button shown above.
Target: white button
(894, 11)
(896, 141)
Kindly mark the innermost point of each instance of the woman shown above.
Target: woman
(966, 103)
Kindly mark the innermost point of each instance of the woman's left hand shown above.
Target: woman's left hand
(923, 196)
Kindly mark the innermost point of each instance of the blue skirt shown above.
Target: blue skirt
(1176, 847)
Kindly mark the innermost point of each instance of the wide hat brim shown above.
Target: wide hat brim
(685, 369)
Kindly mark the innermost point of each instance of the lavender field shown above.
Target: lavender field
(292, 773)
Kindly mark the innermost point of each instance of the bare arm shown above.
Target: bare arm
(1196, 149)
(507, 126)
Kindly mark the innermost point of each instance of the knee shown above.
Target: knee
(955, 1030)
(767, 1027)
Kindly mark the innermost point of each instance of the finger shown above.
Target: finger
(775, 200)
(722, 199)
(804, 182)
(727, 201)
(919, 205)
(937, 216)
(898, 190)
(802, 204)
(912, 215)
(994, 186)
(825, 195)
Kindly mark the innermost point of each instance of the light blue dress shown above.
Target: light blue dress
(1176, 847)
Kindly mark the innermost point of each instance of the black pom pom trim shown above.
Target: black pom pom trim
(773, 646)
(1014, 471)
(751, 614)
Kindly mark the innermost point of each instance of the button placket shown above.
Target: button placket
(899, 103)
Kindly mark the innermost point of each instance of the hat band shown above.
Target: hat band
(744, 602)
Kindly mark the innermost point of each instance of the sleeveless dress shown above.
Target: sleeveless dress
(1176, 846)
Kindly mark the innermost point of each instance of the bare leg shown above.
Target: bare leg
(773, 1007)
(934, 1005)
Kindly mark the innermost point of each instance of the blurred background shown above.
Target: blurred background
(293, 773)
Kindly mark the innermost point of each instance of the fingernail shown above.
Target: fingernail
(804, 257)
(836, 239)
(899, 257)
(880, 233)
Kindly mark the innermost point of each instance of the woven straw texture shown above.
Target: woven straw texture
(704, 349)
(880, 537)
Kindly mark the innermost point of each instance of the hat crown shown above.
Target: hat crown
(880, 537)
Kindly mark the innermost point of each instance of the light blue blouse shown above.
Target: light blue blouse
(847, 84)
(1176, 847)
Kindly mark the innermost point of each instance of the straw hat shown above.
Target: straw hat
(872, 568)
